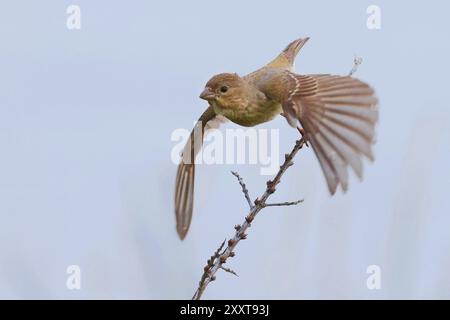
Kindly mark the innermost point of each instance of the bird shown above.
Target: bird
(336, 115)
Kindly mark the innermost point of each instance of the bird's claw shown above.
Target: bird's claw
(303, 133)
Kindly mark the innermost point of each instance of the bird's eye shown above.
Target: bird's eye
(223, 89)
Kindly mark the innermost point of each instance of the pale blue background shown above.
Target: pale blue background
(85, 170)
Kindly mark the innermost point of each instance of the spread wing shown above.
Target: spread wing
(184, 185)
(338, 114)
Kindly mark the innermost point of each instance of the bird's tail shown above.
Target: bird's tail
(287, 56)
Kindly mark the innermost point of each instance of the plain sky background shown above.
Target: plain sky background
(86, 178)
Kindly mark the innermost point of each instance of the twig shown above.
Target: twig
(283, 204)
(229, 270)
(244, 188)
(210, 263)
(356, 62)
(219, 259)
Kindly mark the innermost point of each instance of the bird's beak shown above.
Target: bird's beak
(207, 94)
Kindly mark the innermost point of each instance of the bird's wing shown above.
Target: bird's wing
(338, 114)
(184, 185)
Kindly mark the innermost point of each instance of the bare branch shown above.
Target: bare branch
(228, 270)
(209, 264)
(240, 234)
(356, 62)
(244, 188)
(283, 204)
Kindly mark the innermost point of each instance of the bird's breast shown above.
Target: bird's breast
(252, 114)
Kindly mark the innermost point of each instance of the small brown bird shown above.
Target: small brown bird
(337, 114)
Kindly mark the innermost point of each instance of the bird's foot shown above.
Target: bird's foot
(304, 136)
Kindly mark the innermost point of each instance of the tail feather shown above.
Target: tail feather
(286, 58)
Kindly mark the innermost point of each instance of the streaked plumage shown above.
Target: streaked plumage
(337, 113)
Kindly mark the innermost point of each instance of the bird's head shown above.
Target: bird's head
(227, 90)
